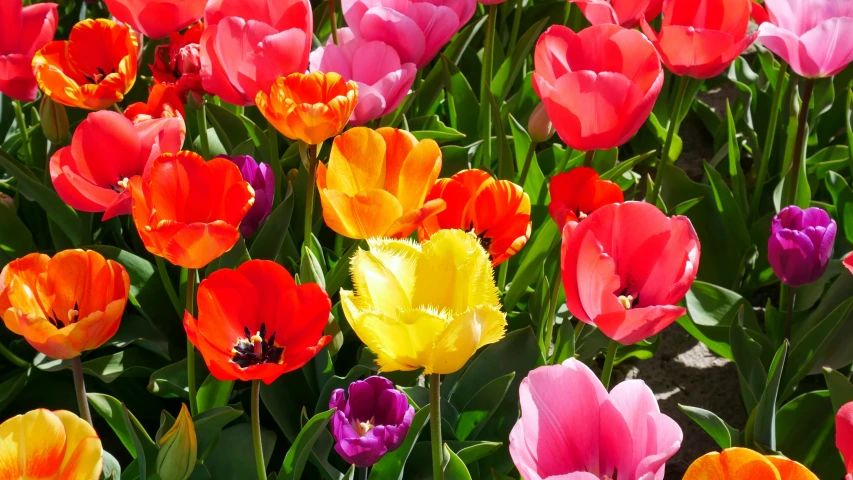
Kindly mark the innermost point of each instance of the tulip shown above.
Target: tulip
(157, 18)
(745, 464)
(626, 13)
(848, 263)
(42, 444)
(262, 179)
(701, 39)
(54, 121)
(373, 421)
(572, 428)
(813, 36)
(416, 29)
(25, 30)
(579, 192)
(106, 151)
(190, 224)
(429, 305)
(844, 436)
(497, 211)
(64, 305)
(626, 266)
(255, 323)
(163, 102)
(248, 44)
(376, 183)
(800, 244)
(599, 85)
(176, 458)
(7, 202)
(93, 69)
(539, 126)
(383, 81)
(177, 64)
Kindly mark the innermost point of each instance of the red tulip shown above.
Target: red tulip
(626, 266)
(702, 38)
(157, 18)
(599, 85)
(579, 192)
(163, 102)
(25, 30)
(621, 12)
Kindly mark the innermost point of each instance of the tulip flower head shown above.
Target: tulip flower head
(178, 63)
(372, 420)
(626, 13)
(25, 30)
(579, 192)
(93, 69)
(158, 18)
(430, 305)
(571, 427)
(178, 448)
(262, 179)
(64, 305)
(376, 183)
(800, 244)
(163, 102)
(745, 464)
(497, 211)
(844, 436)
(255, 323)
(626, 266)
(539, 126)
(42, 444)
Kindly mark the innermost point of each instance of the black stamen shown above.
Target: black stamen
(245, 355)
(247, 332)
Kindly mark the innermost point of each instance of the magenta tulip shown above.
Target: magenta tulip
(25, 30)
(800, 244)
(157, 18)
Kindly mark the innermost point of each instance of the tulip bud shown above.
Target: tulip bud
(539, 126)
(54, 120)
(195, 100)
(178, 449)
(187, 59)
(800, 244)
(292, 174)
(7, 201)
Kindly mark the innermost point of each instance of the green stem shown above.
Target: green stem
(256, 430)
(333, 20)
(788, 295)
(781, 84)
(435, 426)
(552, 314)
(588, 158)
(578, 330)
(502, 273)
(528, 159)
(22, 127)
(674, 123)
(190, 302)
(799, 142)
(275, 161)
(516, 23)
(309, 194)
(12, 358)
(363, 473)
(80, 388)
(608, 363)
(485, 87)
(167, 283)
(201, 117)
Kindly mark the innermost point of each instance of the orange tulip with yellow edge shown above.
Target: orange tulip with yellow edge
(310, 107)
(376, 183)
(93, 69)
(745, 464)
(46, 445)
(64, 305)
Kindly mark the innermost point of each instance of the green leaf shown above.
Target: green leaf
(623, 167)
(209, 424)
(505, 77)
(531, 263)
(171, 380)
(432, 127)
(10, 388)
(455, 468)
(474, 415)
(726, 204)
(259, 138)
(391, 466)
(840, 389)
(470, 452)
(228, 126)
(140, 331)
(340, 272)
(132, 362)
(213, 393)
(112, 410)
(111, 468)
(506, 170)
(310, 270)
(711, 310)
(233, 456)
(300, 451)
(146, 449)
(15, 238)
(805, 432)
(270, 238)
(765, 417)
(724, 434)
(746, 353)
(735, 170)
(463, 104)
(535, 185)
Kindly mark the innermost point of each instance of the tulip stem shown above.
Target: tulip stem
(309, 194)
(528, 159)
(333, 20)
(435, 426)
(80, 388)
(190, 301)
(502, 273)
(799, 143)
(674, 123)
(609, 358)
(485, 87)
(781, 85)
(516, 23)
(552, 314)
(275, 162)
(12, 358)
(588, 158)
(201, 117)
(256, 430)
(787, 297)
(22, 127)
(363, 473)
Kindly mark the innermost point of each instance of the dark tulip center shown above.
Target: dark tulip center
(72, 317)
(98, 77)
(485, 241)
(256, 349)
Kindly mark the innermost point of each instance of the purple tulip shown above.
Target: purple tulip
(800, 244)
(262, 179)
(373, 421)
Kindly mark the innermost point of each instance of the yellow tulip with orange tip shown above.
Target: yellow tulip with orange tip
(376, 183)
(745, 464)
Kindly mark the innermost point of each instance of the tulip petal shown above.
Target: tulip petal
(42, 335)
(197, 244)
(417, 174)
(385, 276)
(398, 144)
(464, 335)
(395, 29)
(791, 470)
(83, 448)
(635, 324)
(368, 214)
(830, 45)
(732, 463)
(42, 440)
(353, 165)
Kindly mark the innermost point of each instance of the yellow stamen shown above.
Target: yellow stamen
(257, 343)
(626, 301)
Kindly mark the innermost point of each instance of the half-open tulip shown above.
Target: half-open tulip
(310, 107)
(178, 63)
(163, 102)
(255, 323)
(626, 266)
(248, 44)
(579, 192)
(599, 85)
(93, 69)
(157, 18)
(844, 436)
(620, 12)
(190, 223)
(42, 444)
(377, 181)
(745, 464)
(107, 150)
(497, 211)
(572, 428)
(429, 305)
(66, 304)
(800, 244)
(25, 30)
(813, 36)
(700, 39)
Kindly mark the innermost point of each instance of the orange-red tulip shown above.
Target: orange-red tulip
(311, 107)
(498, 211)
(66, 304)
(579, 192)
(177, 63)
(255, 323)
(377, 181)
(745, 464)
(93, 69)
(163, 102)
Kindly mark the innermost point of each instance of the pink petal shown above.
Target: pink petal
(787, 45)
(844, 434)
(830, 45)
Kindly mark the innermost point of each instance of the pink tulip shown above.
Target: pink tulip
(157, 18)
(625, 267)
(248, 44)
(25, 30)
(844, 436)
(626, 13)
(813, 36)
(417, 29)
(383, 81)
(572, 429)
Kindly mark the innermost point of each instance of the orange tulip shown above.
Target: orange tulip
(93, 69)
(188, 210)
(746, 464)
(498, 211)
(309, 107)
(376, 183)
(66, 304)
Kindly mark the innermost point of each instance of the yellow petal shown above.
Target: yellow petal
(82, 460)
(10, 467)
(41, 444)
(384, 276)
(357, 162)
(418, 174)
(464, 336)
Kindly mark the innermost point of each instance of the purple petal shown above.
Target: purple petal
(792, 257)
(361, 451)
(338, 400)
(391, 405)
(362, 401)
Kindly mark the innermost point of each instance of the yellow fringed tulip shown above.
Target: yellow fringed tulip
(429, 305)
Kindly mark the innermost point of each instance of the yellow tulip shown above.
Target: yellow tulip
(178, 448)
(429, 305)
(745, 464)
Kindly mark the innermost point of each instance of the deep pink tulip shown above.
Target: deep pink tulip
(157, 18)
(813, 36)
(626, 266)
(844, 436)
(108, 149)
(626, 13)
(417, 29)
(572, 429)
(25, 30)
(248, 44)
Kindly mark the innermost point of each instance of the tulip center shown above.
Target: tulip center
(98, 77)
(581, 215)
(256, 349)
(361, 428)
(71, 317)
(626, 299)
(121, 185)
(485, 241)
